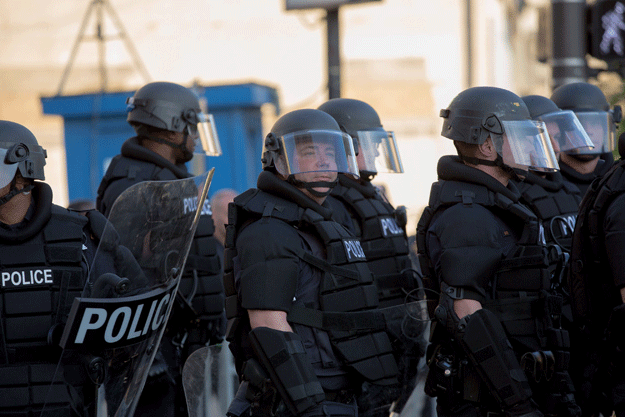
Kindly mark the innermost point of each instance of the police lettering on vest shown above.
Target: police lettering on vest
(353, 250)
(390, 227)
(116, 322)
(190, 205)
(26, 277)
(565, 224)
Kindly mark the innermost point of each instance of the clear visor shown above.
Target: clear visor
(316, 151)
(601, 129)
(526, 145)
(7, 171)
(378, 152)
(206, 139)
(566, 132)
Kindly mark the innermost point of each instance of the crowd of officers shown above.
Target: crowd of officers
(515, 302)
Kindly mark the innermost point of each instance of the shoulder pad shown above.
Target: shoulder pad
(64, 224)
(66, 215)
(132, 169)
(454, 192)
(264, 204)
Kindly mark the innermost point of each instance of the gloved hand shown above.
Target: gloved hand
(331, 409)
(524, 409)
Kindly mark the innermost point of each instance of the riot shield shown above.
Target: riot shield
(413, 401)
(113, 330)
(406, 325)
(209, 381)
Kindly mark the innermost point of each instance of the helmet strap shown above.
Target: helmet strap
(367, 175)
(310, 185)
(13, 191)
(180, 146)
(516, 173)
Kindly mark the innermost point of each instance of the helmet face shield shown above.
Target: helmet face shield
(207, 141)
(601, 129)
(378, 151)
(7, 170)
(526, 145)
(566, 132)
(316, 151)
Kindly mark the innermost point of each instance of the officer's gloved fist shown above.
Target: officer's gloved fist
(524, 409)
(331, 409)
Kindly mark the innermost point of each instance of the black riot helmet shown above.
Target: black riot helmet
(593, 111)
(565, 130)
(375, 147)
(169, 106)
(306, 135)
(19, 151)
(478, 113)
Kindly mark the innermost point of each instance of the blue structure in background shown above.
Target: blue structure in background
(95, 128)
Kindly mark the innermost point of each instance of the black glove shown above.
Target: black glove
(524, 409)
(331, 409)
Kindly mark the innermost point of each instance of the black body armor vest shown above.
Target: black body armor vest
(41, 271)
(593, 289)
(555, 202)
(383, 238)
(347, 297)
(518, 292)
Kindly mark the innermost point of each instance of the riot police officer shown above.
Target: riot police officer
(497, 346)
(581, 166)
(301, 301)
(553, 199)
(46, 251)
(597, 282)
(168, 121)
(382, 231)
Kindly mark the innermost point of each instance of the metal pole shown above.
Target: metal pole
(101, 47)
(129, 45)
(72, 55)
(469, 55)
(334, 58)
(569, 42)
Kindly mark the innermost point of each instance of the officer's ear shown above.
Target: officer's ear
(487, 150)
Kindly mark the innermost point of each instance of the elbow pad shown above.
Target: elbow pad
(486, 344)
(283, 356)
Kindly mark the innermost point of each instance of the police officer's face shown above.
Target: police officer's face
(316, 162)
(556, 136)
(366, 155)
(596, 132)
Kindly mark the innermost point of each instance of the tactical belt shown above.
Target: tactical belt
(337, 321)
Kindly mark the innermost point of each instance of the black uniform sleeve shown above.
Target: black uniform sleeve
(269, 262)
(466, 244)
(614, 226)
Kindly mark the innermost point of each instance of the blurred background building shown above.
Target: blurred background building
(407, 58)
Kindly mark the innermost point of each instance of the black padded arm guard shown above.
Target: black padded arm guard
(485, 342)
(284, 357)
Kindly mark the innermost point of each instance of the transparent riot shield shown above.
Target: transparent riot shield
(406, 325)
(414, 401)
(209, 381)
(113, 330)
